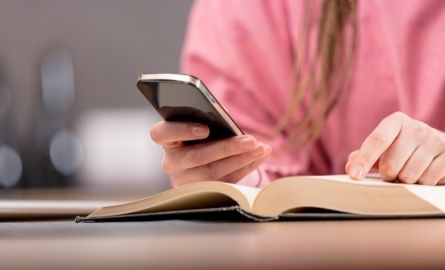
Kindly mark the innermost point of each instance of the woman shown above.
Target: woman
(320, 87)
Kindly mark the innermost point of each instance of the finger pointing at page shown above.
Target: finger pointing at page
(375, 145)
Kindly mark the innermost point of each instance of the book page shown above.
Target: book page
(435, 195)
(249, 192)
(343, 178)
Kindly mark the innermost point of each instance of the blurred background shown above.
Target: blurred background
(70, 114)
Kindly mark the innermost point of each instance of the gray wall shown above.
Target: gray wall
(111, 42)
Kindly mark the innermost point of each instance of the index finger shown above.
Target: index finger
(374, 146)
(165, 132)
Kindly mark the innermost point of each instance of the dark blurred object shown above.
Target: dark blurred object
(10, 160)
(57, 151)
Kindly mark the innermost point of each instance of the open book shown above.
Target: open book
(288, 198)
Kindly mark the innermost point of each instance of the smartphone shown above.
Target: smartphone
(178, 97)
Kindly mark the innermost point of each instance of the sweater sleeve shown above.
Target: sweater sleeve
(242, 50)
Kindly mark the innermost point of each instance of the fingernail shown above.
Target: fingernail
(357, 171)
(199, 132)
(247, 143)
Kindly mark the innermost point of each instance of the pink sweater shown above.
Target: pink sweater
(242, 52)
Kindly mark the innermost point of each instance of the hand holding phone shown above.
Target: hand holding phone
(185, 98)
(220, 151)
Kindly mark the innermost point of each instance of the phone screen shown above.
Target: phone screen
(181, 101)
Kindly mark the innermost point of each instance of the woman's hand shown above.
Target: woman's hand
(401, 149)
(226, 160)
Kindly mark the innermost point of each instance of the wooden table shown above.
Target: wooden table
(371, 244)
